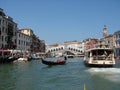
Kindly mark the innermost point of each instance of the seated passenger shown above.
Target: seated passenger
(59, 60)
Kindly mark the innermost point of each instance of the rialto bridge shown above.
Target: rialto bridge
(69, 48)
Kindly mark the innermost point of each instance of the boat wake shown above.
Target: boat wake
(112, 74)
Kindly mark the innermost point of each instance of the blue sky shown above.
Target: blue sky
(56, 21)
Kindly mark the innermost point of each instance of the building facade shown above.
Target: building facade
(8, 30)
(42, 46)
(29, 32)
(109, 41)
(36, 45)
(117, 43)
(23, 41)
(91, 43)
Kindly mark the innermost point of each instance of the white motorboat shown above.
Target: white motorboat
(99, 57)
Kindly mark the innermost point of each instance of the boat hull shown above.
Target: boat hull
(53, 63)
(97, 65)
(7, 59)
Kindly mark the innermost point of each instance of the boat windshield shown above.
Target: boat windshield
(102, 54)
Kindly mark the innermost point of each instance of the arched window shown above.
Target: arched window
(60, 48)
(69, 48)
(56, 49)
(48, 50)
(51, 50)
(73, 49)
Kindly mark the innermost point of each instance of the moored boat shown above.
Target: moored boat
(6, 56)
(99, 57)
(35, 57)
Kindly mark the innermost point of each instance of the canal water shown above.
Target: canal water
(34, 75)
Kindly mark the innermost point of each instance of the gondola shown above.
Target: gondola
(53, 62)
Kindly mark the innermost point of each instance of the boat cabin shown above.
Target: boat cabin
(100, 54)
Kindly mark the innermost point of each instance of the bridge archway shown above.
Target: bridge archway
(61, 51)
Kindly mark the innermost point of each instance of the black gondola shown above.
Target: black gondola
(53, 62)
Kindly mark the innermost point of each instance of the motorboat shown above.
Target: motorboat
(99, 57)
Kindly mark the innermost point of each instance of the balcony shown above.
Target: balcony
(10, 33)
(9, 40)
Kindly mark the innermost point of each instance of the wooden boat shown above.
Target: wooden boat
(62, 62)
(99, 57)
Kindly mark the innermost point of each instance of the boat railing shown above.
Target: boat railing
(102, 57)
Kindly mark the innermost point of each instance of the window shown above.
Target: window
(0, 21)
(19, 35)
(119, 35)
(116, 36)
(119, 43)
(2, 38)
(19, 42)
(3, 29)
(24, 43)
(6, 39)
(0, 31)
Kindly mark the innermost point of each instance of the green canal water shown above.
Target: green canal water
(34, 75)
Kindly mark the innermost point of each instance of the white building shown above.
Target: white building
(7, 31)
(72, 46)
(117, 43)
(23, 41)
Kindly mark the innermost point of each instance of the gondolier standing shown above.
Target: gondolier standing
(65, 57)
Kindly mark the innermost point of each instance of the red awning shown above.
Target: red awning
(4, 51)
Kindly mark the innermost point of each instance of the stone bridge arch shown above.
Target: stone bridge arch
(62, 50)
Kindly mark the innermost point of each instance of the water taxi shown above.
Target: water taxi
(101, 57)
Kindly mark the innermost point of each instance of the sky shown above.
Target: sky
(58, 21)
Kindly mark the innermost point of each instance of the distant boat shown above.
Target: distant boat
(99, 57)
(70, 56)
(58, 62)
(35, 57)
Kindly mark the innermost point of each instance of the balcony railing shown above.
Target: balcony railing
(10, 33)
